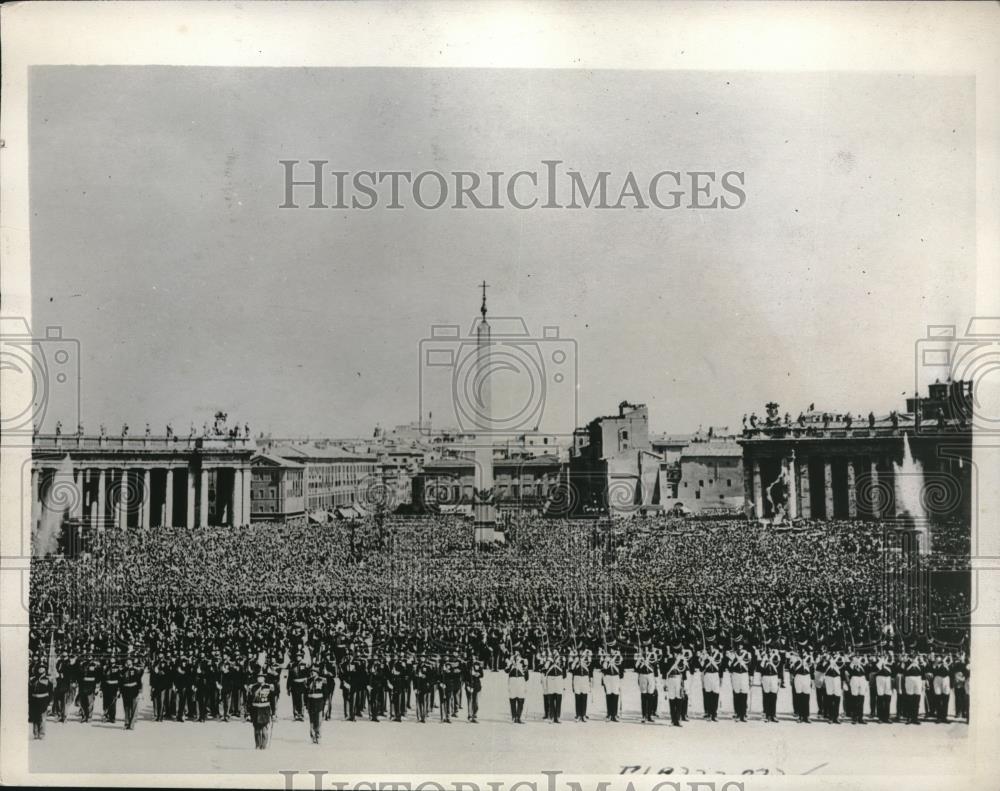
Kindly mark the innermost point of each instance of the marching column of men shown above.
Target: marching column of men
(202, 687)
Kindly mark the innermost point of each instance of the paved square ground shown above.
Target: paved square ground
(497, 745)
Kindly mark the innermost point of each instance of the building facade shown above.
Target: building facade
(142, 482)
(525, 484)
(334, 477)
(277, 490)
(710, 477)
(613, 469)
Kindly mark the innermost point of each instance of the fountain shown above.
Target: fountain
(909, 477)
(59, 498)
(777, 494)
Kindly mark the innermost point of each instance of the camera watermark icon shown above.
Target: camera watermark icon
(41, 386)
(380, 494)
(498, 381)
(962, 373)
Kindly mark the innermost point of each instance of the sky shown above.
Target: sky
(157, 241)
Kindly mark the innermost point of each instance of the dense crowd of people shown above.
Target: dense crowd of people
(406, 608)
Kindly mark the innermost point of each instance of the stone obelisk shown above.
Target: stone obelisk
(484, 513)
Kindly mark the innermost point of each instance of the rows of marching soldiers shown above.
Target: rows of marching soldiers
(385, 686)
(838, 679)
(846, 685)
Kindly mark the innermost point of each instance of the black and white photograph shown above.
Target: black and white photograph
(500, 396)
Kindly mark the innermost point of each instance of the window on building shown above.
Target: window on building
(697, 494)
(701, 483)
(729, 482)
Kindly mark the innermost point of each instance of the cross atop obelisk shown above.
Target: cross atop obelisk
(484, 285)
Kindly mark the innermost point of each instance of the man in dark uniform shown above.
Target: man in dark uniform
(298, 675)
(359, 689)
(39, 695)
(90, 677)
(346, 691)
(214, 669)
(441, 679)
(397, 683)
(194, 688)
(494, 643)
(260, 710)
(328, 670)
(453, 684)
(63, 685)
(131, 687)
(158, 683)
(377, 681)
(182, 687)
(410, 663)
(272, 675)
(960, 683)
(423, 684)
(110, 686)
(232, 683)
(473, 680)
(315, 694)
(203, 682)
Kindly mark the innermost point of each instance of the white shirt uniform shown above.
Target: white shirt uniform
(710, 671)
(739, 672)
(581, 684)
(516, 684)
(611, 681)
(645, 675)
(554, 684)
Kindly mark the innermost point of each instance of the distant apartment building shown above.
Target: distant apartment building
(526, 484)
(334, 477)
(613, 469)
(277, 492)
